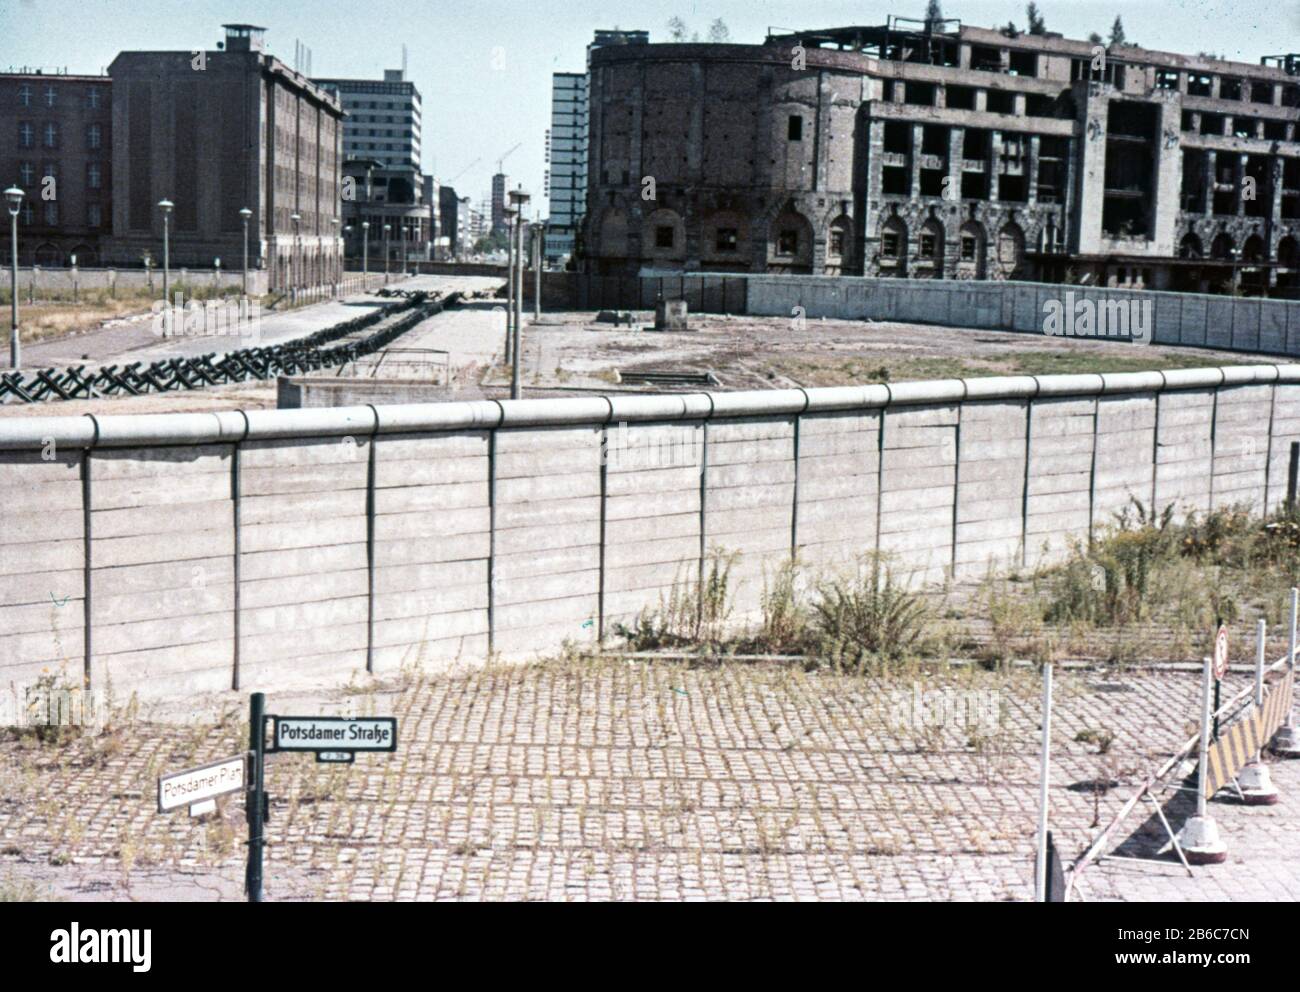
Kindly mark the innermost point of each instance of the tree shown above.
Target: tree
(719, 33)
(1096, 39)
(933, 14)
(1117, 32)
(1036, 23)
(677, 30)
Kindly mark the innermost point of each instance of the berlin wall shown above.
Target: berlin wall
(182, 552)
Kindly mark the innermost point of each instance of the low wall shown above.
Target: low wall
(1225, 322)
(173, 553)
(36, 281)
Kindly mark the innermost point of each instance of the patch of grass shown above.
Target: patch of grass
(868, 619)
(693, 615)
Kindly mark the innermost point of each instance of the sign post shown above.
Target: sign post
(256, 806)
(1220, 670)
(1041, 884)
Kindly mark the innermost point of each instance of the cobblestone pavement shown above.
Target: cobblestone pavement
(611, 779)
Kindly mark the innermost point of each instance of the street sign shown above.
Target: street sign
(197, 787)
(334, 733)
(1221, 653)
(336, 757)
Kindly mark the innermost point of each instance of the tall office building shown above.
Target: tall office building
(383, 119)
(498, 202)
(568, 163)
(568, 149)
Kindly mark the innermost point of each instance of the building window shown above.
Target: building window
(51, 134)
(787, 243)
(889, 245)
(93, 97)
(969, 250)
(50, 171)
(94, 136)
(664, 236)
(51, 96)
(837, 242)
(727, 239)
(94, 215)
(795, 128)
(51, 213)
(29, 215)
(94, 177)
(27, 172)
(24, 95)
(927, 245)
(26, 135)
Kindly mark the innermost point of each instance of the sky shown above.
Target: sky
(483, 67)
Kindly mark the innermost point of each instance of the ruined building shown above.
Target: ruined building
(943, 151)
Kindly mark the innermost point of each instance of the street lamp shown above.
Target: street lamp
(519, 199)
(365, 254)
(295, 265)
(387, 228)
(509, 214)
(14, 199)
(338, 264)
(166, 206)
(538, 228)
(244, 215)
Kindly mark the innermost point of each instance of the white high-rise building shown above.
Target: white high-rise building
(383, 119)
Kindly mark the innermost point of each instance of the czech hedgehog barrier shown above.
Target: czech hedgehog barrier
(180, 552)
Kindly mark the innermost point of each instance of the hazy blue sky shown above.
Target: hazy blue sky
(475, 111)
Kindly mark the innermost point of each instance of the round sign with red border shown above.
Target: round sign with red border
(1221, 653)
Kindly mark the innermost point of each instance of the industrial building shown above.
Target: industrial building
(944, 151)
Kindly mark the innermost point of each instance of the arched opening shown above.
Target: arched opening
(611, 242)
(1191, 247)
(48, 255)
(972, 247)
(1254, 274)
(1288, 261)
(930, 250)
(790, 244)
(839, 246)
(1011, 249)
(724, 242)
(1221, 247)
(663, 237)
(892, 256)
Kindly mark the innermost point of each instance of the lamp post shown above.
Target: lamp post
(14, 200)
(365, 254)
(537, 271)
(244, 214)
(338, 264)
(387, 228)
(509, 214)
(166, 207)
(295, 266)
(519, 199)
(343, 262)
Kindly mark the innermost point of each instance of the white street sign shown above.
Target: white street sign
(195, 785)
(335, 733)
(1221, 653)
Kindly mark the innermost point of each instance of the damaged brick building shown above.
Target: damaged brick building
(946, 151)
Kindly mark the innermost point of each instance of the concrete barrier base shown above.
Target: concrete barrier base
(1256, 784)
(1286, 742)
(1201, 842)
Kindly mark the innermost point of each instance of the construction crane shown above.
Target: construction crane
(502, 159)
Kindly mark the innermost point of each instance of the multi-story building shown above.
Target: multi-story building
(946, 151)
(568, 150)
(219, 131)
(449, 222)
(385, 198)
(567, 165)
(57, 148)
(498, 202)
(384, 119)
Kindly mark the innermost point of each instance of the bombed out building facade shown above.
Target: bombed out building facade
(952, 152)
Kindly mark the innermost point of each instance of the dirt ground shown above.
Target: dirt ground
(574, 352)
